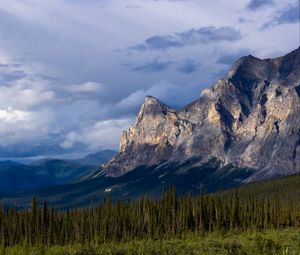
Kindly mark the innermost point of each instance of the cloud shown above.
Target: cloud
(187, 66)
(41, 116)
(290, 14)
(26, 93)
(19, 126)
(10, 115)
(102, 132)
(8, 72)
(36, 112)
(153, 66)
(189, 37)
(257, 4)
(87, 87)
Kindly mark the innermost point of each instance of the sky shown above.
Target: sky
(74, 73)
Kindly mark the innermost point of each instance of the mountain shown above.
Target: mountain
(96, 159)
(15, 177)
(65, 170)
(248, 119)
(61, 171)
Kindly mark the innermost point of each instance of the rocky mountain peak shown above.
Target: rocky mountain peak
(150, 100)
(151, 107)
(250, 118)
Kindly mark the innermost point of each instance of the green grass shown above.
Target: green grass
(284, 242)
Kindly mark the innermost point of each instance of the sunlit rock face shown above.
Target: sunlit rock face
(250, 118)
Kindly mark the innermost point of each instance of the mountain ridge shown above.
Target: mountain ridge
(15, 176)
(250, 118)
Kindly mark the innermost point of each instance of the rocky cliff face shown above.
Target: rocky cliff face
(250, 118)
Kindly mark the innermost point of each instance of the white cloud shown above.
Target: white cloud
(70, 139)
(10, 115)
(26, 92)
(18, 126)
(103, 134)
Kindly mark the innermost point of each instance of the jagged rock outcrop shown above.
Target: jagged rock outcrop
(250, 118)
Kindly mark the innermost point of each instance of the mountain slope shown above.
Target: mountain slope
(61, 171)
(15, 176)
(95, 159)
(250, 119)
(187, 177)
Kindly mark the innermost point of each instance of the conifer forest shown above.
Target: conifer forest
(170, 217)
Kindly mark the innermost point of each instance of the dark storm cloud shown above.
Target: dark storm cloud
(153, 66)
(6, 74)
(27, 149)
(189, 37)
(257, 4)
(290, 14)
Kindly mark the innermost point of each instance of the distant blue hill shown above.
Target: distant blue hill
(15, 176)
(61, 171)
(96, 159)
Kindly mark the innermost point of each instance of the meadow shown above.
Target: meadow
(271, 242)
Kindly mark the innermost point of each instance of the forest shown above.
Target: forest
(170, 217)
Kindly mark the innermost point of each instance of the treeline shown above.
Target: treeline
(170, 216)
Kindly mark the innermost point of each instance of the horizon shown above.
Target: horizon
(72, 81)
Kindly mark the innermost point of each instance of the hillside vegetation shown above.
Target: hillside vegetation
(288, 188)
